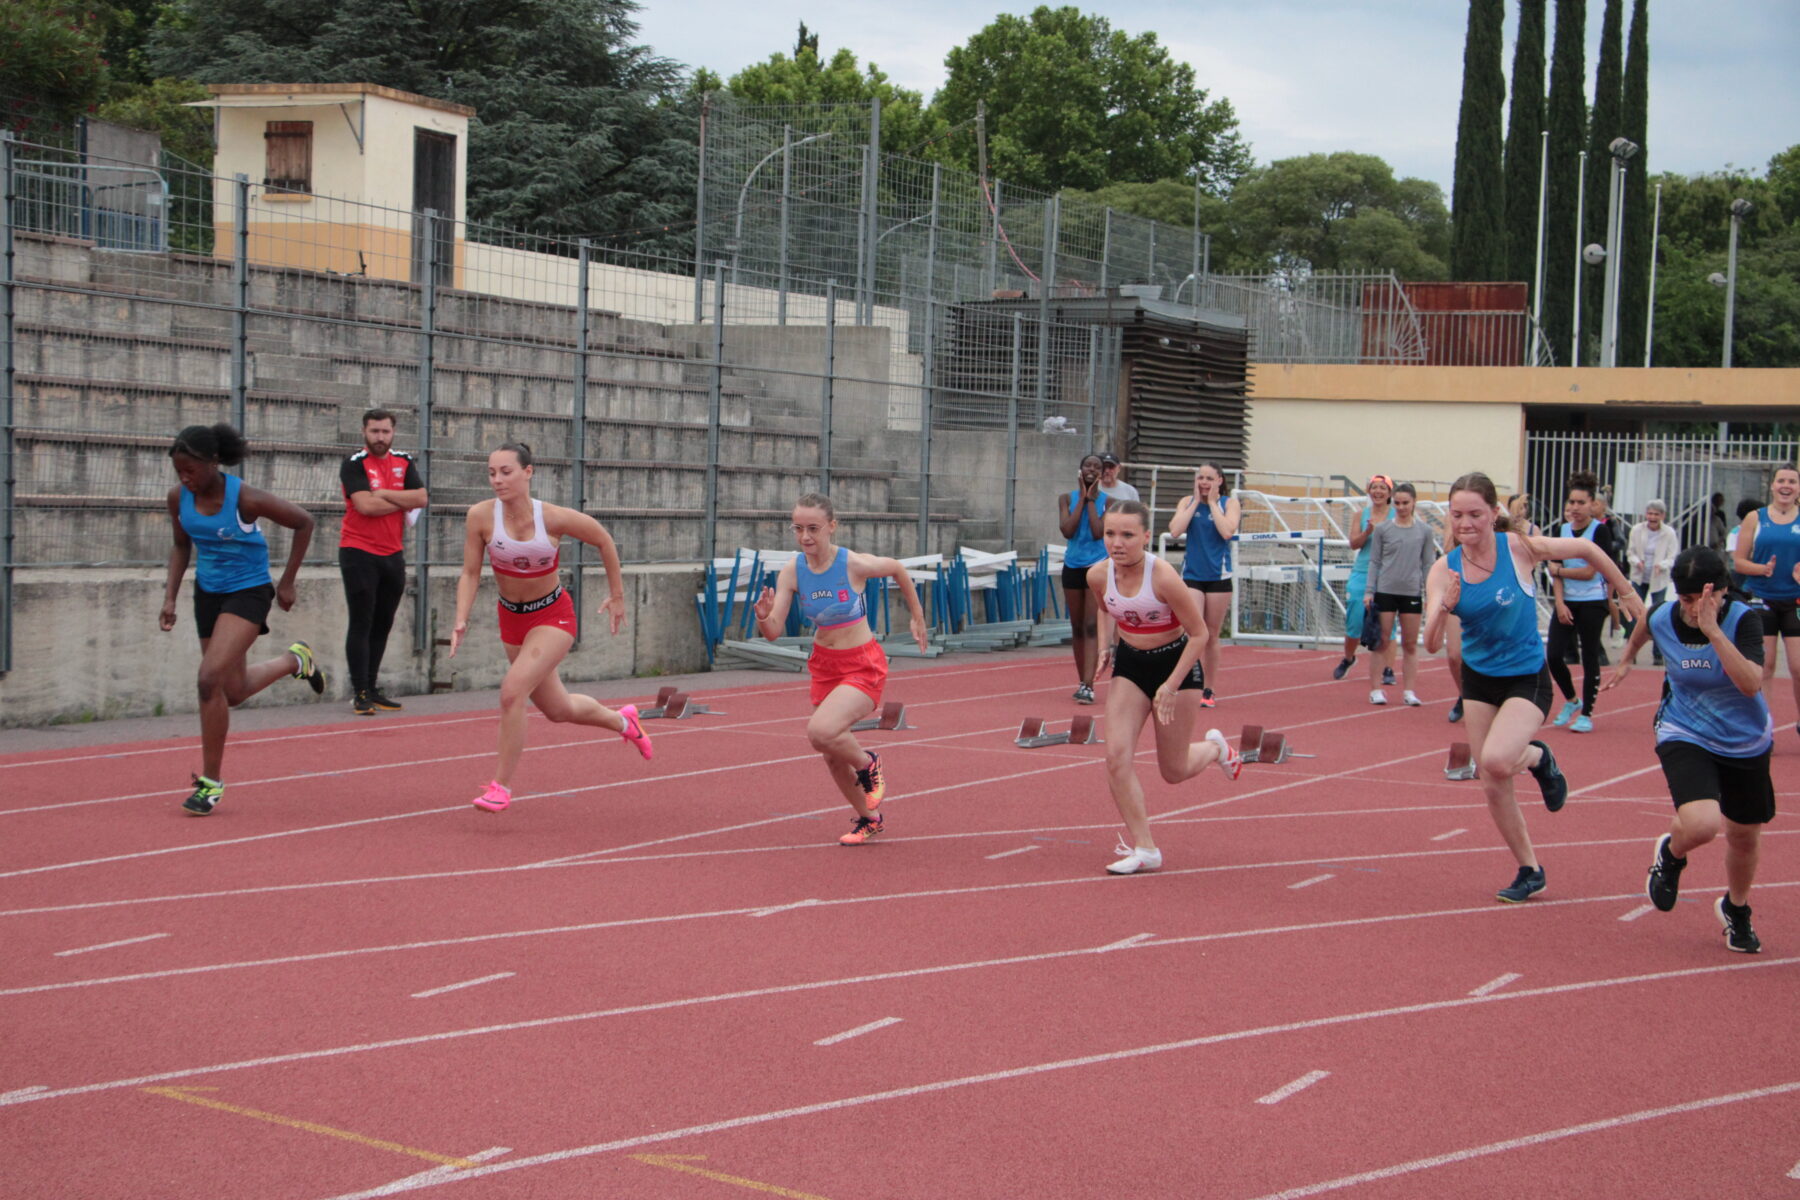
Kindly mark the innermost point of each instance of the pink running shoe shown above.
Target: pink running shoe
(634, 732)
(494, 798)
(1230, 761)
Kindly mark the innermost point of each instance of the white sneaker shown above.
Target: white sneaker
(1136, 859)
(1377, 697)
(1412, 701)
(1230, 761)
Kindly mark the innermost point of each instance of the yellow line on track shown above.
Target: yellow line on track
(187, 1094)
(679, 1162)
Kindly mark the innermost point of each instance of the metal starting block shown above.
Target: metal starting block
(1461, 763)
(1081, 732)
(1257, 745)
(673, 704)
(1250, 743)
(893, 716)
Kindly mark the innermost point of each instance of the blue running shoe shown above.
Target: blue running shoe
(1582, 724)
(1567, 713)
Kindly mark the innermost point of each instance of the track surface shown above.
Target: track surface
(666, 979)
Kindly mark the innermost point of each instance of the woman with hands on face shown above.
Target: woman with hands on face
(1079, 514)
(1380, 510)
(1768, 557)
(1209, 517)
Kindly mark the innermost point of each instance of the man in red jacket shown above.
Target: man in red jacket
(383, 492)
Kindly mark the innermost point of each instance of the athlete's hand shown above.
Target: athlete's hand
(166, 619)
(613, 606)
(765, 604)
(1164, 702)
(1631, 606)
(1797, 572)
(919, 633)
(284, 595)
(1452, 593)
(1106, 663)
(1616, 676)
(1707, 616)
(1563, 614)
(456, 637)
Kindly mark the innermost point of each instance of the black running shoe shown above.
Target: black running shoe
(362, 705)
(1664, 884)
(1342, 669)
(1387, 677)
(1455, 711)
(305, 668)
(206, 797)
(1526, 884)
(380, 700)
(1736, 920)
(1550, 779)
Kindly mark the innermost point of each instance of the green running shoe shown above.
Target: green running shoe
(206, 797)
(307, 669)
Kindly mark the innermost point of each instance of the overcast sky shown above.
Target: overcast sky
(1377, 76)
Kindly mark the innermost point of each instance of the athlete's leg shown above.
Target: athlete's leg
(1178, 755)
(1742, 845)
(1082, 634)
(1696, 823)
(829, 733)
(1384, 660)
(390, 588)
(1500, 740)
(1556, 648)
(1215, 611)
(222, 674)
(1409, 650)
(533, 661)
(1126, 710)
(1590, 623)
(361, 588)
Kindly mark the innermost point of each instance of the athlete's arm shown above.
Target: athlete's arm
(179, 554)
(865, 567)
(772, 606)
(1364, 530)
(1184, 603)
(254, 503)
(1184, 515)
(1377, 540)
(1741, 562)
(567, 522)
(1066, 517)
(475, 539)
(1443, 588)
(1744, 672)
(1106, 637)
(1629, 601)
(1226, 516)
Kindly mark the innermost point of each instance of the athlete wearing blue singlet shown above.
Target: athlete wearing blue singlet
(1208, 517)
(1380, 490)
(1713, 735)
(1485, 581)
(1581, 608)
(1080, 514)
(214, 519)
(1768, 557)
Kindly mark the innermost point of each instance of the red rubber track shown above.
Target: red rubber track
(652, 951)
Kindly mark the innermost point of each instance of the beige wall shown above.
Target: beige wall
(1409, 441)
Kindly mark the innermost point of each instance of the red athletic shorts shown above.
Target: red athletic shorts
(863, 667)
(556, 609)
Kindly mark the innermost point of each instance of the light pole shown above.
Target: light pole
(1650, 305)
(1739, 210)
(1620, 149)
(737, 224)
(1581, 253)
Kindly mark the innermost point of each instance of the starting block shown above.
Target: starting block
(1257, 745)
(893, 716)
(673, 704)
(1250, 743)
(1461, 763)
(1081, 732)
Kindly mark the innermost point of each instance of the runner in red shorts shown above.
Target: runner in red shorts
(847, 665)
(519, 536)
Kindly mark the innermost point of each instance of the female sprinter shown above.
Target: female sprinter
(1401, 552)
(214, 517)
(519, 536)
(1380, 509)
(1078, 516)
(1713, 735)
(1768, 557)
(1153, 634)
(847, 666)
(1581, 602)
(1486, 581)
(1207, 567)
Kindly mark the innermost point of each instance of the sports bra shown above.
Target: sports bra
(522, 560)
(1142, 613)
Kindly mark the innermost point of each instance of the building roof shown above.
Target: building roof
(269, 95)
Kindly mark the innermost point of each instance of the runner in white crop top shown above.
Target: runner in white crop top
(1142, 613)
(529, 559)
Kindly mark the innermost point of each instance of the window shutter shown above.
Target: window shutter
(289, 156)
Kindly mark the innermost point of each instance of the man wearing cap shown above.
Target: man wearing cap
(1109, 479)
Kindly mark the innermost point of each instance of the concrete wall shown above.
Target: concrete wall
(87, 644)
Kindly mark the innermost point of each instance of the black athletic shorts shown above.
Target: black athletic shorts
(252, 604)
(1395, 602)
(1740, 785)
(1209, 586)
(1781, 618)
(1149, 669)
(1498, 689)
(1075, 578)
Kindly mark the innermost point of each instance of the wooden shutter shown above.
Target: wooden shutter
(289, 156)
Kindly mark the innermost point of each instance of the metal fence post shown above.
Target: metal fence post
(1150, 275)
(1195, 277)
(1052, 221)
(787, 184)
(8, 309)
(427, 354)
(1012, 428)
(1093, 382)
(1105, 245)
(240, 304)
(927, 373)
(578, 434)
(700, 218)
(826, 386)
(871, 217)
(993, 263)
(710, 544)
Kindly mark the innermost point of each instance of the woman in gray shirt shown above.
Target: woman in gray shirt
(1401, 552)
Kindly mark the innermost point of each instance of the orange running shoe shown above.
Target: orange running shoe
(494, 798)
(865, 830)
(634, 732)
(870, 781)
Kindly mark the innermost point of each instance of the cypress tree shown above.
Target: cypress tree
(1568, 137)
(1608, 123)
(1634, 287)
(1478, 201)
(1524, 143)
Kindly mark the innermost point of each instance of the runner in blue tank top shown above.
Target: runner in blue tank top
(1485, 581)
(1079, 516)
(1768, 556)
(1713, 735)
(848, 667)
(1380, 490)
(1208, 517)
(214, 517)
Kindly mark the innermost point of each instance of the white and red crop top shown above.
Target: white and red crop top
(522, 560)
(1142, 613)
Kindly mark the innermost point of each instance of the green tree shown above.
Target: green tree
(1634, 281)
(1607, 123)
(577, 130)
(1168, 202)
(907, 126)
(1568, 137)
(1478, 193)
(50, 62)
(1331, 212)
(1073, 102)
(1524, 143)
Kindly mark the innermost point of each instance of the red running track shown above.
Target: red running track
(666, 979)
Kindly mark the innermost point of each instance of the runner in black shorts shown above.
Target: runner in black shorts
(1079, 512)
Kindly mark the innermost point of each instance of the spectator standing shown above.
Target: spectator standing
(1109, 479)
(382, 491)
(1650, 551)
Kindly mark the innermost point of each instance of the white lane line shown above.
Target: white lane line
(1795, 1173)
(1010, 853)
(148, 937)
(1444, 837)
(781, 908)
(1287, 1089)
(1294, 887)
(1135, 939)
(805, 1110)
(845, 1036)
(21, 1093)
(445, 1173)
(1529, 1140)
(1494, 985)
(1637, 912)
(467, 983)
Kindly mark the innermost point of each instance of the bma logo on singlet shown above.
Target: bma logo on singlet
(1695, 664)
(820, 594)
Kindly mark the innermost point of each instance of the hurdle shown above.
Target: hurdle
(893, 716)
(1461, 762)
(673, 704)
(1081, 732)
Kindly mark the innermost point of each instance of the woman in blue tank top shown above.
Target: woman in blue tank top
(1768, 557)
(1713, 735)
(1208, 517)
(848, 668)
(1485, 581)
(1380, 490)
(214, 517)
(1079, 516)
